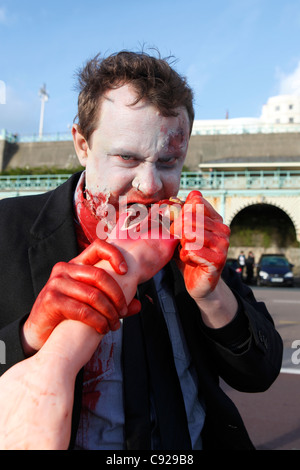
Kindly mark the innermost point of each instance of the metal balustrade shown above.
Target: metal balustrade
(243, 179)
(223, 180)
(231, 128)
(223, 127)
(55, 137)
(31, 182)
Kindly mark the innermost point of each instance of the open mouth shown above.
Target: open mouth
(159, 214)
(136, 214)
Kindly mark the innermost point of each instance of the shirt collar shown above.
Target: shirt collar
(85, 213)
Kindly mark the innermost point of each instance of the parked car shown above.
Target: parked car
(274, 270)
(233, 263)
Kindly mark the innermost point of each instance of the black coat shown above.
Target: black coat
(38, 231)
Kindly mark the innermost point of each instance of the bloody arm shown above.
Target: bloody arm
(97, 292)
(38, 392)
(240, 333)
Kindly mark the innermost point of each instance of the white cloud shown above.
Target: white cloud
(289, 84)
(19, 114)
(2, 92)
(3, 17)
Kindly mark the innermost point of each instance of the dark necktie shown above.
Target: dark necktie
(149, 365)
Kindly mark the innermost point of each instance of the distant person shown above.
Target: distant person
(250, 267)
(242, 262)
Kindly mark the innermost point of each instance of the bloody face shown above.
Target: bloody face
(135, 152)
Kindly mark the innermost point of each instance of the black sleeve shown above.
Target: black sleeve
(235, 335)
(248, 351)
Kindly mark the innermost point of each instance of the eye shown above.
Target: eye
(126, 161)
(125, 157)
(168, 161)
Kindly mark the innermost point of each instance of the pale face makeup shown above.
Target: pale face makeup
(134, 152)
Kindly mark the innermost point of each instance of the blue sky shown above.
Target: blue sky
(235, 53)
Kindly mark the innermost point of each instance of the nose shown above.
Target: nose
(148, 179)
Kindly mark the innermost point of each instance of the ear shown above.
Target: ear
(80, 144)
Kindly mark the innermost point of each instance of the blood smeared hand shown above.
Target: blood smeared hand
(79, 291)
(203, 247)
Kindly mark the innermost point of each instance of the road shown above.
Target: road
(272, 418)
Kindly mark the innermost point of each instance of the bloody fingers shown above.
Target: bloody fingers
(203, 247)
(79, 291)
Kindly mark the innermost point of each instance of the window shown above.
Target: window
(291, 119)
(277, 108)
(291, 106)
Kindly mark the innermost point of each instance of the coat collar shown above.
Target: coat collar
(58, 209)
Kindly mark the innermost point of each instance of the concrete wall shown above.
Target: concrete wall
(204, 148)
(2, 145)
(37, 154)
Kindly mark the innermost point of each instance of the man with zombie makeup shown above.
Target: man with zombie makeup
(153, 381)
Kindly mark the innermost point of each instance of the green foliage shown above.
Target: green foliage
(41, 170)
(241, 236)
(263, 236)
(185, 168)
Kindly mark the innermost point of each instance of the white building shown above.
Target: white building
(282, 109)
(280, 114)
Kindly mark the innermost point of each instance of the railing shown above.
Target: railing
(31, 182)
(243, 179)
(225, 127)
(56, 137)
(231, 128)
(214, 180)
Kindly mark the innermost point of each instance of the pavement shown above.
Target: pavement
(272, 418)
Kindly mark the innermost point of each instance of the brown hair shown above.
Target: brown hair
(152, 78)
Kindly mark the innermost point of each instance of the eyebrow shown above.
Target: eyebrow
(130, 153)
(122, 151)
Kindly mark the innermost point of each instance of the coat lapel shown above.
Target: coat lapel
(53, 233)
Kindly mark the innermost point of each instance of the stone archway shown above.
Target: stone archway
(288, 204)
(263, 224)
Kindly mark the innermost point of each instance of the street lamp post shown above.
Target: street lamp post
(44, 97)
